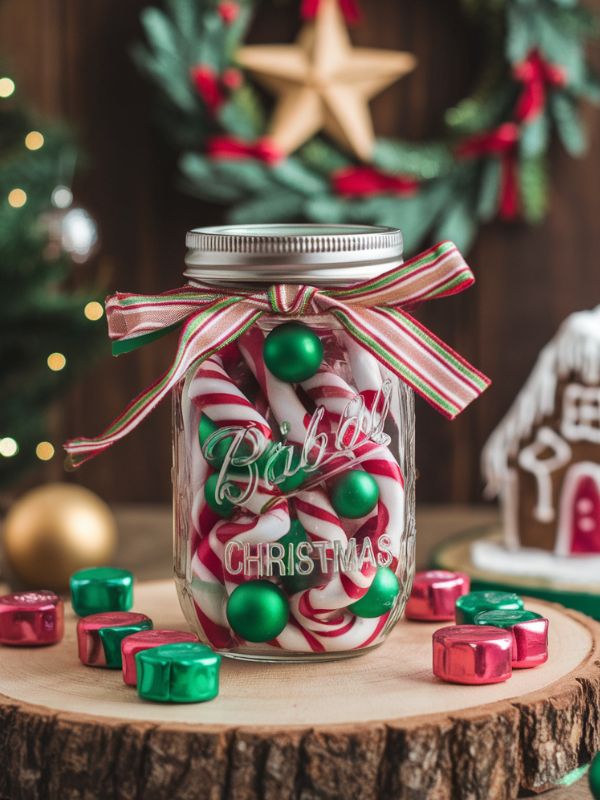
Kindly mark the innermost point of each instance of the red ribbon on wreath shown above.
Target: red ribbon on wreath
(213, 88)
(536, 75)
(349, 8)
(367, 181)
(501, 142)
(231, 148)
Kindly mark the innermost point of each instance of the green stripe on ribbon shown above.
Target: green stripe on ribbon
(122, 346)
(399, 367)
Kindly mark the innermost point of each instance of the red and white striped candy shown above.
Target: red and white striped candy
(329, 390)
(282, 398)
(213, 390)
(314, 624)
(312, 608)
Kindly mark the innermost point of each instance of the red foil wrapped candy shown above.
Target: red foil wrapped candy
(31, 619)
(474, 654)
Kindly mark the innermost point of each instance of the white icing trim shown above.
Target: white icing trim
(575, 349)
(542, 468)
(567, 496)
(532, 563)
(581, 413)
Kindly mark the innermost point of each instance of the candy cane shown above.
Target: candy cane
(308, 628)
(282, 398)
(367, 373)
(328, 390)
(313, 607)
(220, 399)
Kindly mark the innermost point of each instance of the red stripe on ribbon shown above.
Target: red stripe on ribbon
(230, 148)
(366, 181)
(501, 142)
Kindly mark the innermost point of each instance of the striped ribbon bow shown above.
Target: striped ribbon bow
(372, 312)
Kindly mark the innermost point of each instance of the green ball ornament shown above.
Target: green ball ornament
(223, 508)
(218, 451)
(293, 352)
(381, 596)
(293, 581)
(257, 611)
(277, 466)
(594, 777)
(354, 494)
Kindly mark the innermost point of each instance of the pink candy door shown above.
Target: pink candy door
(579, 528)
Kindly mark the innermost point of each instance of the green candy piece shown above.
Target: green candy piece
(99, 589)
(186, 672)
(293, 352)
(501, 618)
(470, 605)
(381, 596)
(206, 428)
(111, 639)
(225, 508)
(257, 611)
(594, 777)
(277, 466)
(296, 582)
(354, 494)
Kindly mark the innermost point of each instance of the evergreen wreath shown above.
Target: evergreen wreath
(491, 162)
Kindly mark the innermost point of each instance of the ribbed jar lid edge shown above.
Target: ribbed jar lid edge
(346, 239)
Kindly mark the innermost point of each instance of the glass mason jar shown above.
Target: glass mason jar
(293, 470)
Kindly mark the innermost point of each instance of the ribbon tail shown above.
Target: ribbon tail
(137, 319)
(436, 372)
(438, 272)
(203, 334)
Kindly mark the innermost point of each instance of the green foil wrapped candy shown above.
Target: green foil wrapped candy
(594, 777)
(186, 672)
(99, 589)
(470, 605)
(111, 639)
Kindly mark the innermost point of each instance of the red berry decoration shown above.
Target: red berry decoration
(228, 12)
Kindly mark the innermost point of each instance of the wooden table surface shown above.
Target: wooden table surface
(145, 546)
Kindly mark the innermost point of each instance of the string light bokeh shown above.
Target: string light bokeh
(17, 198)
(7, 87)
(61, 198)
(34, 140)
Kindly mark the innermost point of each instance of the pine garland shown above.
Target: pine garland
(491, 162)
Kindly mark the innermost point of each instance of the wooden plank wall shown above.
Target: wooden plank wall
(71, 57)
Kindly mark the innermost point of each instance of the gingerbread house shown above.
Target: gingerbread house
(543, 459)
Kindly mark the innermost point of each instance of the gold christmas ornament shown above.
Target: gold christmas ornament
(322, 82)
(54, 530)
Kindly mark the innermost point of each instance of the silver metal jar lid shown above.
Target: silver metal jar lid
(288, 253)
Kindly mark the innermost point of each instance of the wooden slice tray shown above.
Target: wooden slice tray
(374, 727)
(455, 554)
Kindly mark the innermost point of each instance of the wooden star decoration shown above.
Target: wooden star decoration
(323, 83)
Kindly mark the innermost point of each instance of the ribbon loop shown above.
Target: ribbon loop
(373, 313)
